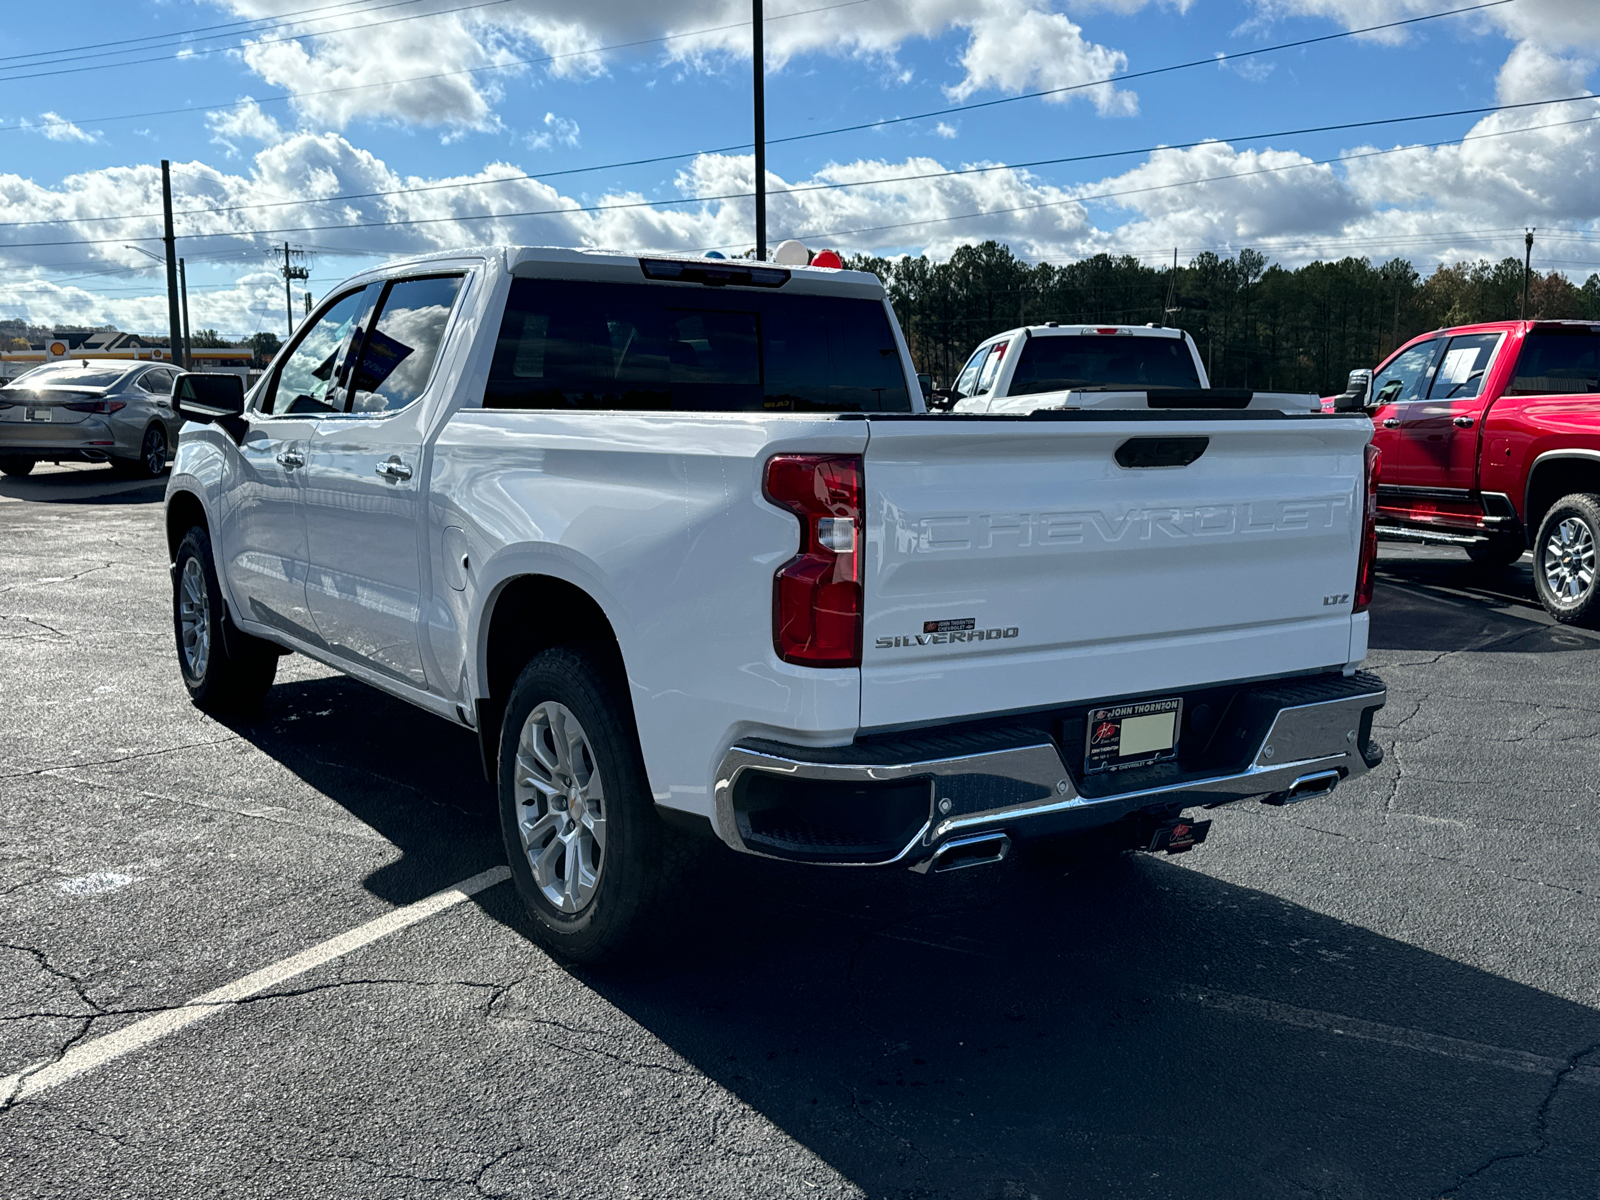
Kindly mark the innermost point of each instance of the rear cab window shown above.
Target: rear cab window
(578, 345)
(1057, 363)
(1557, 362)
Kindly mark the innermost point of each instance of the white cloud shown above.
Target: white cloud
(1553, 24)
(945, 130)
(233, 125)
(1012, 44)
(556, 130)
(58, 129)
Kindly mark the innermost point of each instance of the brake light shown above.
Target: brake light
(103, 407)
(1367, 564)
(816, 595)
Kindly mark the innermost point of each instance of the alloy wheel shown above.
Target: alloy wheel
(560, 801)
(194, 619)
(155, 451)
(1568, 561)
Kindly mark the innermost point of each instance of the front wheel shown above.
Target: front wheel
(1564, 560)
(10, 464)
(590, 856)
(224, 669)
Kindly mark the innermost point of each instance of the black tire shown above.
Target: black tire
(235, 670)
(1564, 572)
(152, 463)
(641, 859)
(1498, 552)
(10, 464)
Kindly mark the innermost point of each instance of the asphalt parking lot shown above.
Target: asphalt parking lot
(1391, 992)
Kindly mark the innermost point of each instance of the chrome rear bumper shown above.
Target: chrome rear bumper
(1014, 779)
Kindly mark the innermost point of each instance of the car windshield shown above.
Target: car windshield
(65, 375)
(1056, 363)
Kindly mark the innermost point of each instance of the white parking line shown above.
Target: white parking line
(1395, 1035)
(97, 1052)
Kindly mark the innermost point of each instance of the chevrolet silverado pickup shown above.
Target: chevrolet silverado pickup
(1074, 367)
(677, 539)
(1490, 440)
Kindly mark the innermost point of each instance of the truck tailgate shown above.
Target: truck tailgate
(1017, 564)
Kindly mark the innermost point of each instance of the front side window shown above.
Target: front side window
(1463, 368)
(1060, 362)
(643, 347)
(991, 367)
(1556, 363)
(307, 374)
(397, 355)
(1406, 376)
(967, 381)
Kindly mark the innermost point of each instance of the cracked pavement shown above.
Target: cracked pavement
(1388, 992)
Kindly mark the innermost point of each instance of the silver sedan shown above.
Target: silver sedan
(119, 412)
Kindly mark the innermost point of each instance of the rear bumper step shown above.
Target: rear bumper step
(935, 801)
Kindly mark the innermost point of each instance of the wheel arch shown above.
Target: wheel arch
(525, 615)
(1553, 475)
(184, 511)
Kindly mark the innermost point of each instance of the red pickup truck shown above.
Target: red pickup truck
(1490, 436)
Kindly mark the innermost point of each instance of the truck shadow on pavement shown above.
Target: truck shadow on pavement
(1434, 605)
(1140, 1029)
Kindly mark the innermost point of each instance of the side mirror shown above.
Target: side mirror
(926, 383)
(211, 398)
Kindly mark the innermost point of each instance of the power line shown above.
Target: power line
(771, 141)
(176, 37)
(808, 188)
(1042, 162)
(133, 62)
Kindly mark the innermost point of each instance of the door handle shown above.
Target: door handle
(393, 469)
(1461, 422)
(290, 459)
(1391, 422)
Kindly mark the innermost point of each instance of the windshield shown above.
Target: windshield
(71, 375)
(1056, 363)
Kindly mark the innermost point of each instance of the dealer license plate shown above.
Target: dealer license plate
(1132, 735)
(38, 414)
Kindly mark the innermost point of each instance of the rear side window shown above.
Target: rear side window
(1463, 367)
(1557, 364)
(641, 347)
(1054, 364)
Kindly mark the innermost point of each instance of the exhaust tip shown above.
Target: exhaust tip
(978, 850)
(1307, 787)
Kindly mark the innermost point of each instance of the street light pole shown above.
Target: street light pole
(1527, 272)
(758, 58)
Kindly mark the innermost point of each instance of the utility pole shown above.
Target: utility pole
(183, 292)
(290, 274)
(1527, 271)
(759, 59)
(173, 321)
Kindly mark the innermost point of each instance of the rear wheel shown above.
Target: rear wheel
(224, 669)
(590, 856)
(1497, 552)
(11, 464)
(1564, 560)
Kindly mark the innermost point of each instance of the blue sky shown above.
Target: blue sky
(842, 65)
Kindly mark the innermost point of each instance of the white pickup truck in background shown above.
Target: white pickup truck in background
(677, 539)
(1058, 367)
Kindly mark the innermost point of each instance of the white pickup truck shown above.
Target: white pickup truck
(677, 539)
(1060, 367)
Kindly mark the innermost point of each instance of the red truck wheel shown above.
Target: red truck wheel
(1564, 560)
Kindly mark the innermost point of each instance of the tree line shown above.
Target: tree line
(1257, 325)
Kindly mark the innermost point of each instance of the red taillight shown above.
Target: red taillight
(103, 407)
(816, 595)
(1367, 564)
